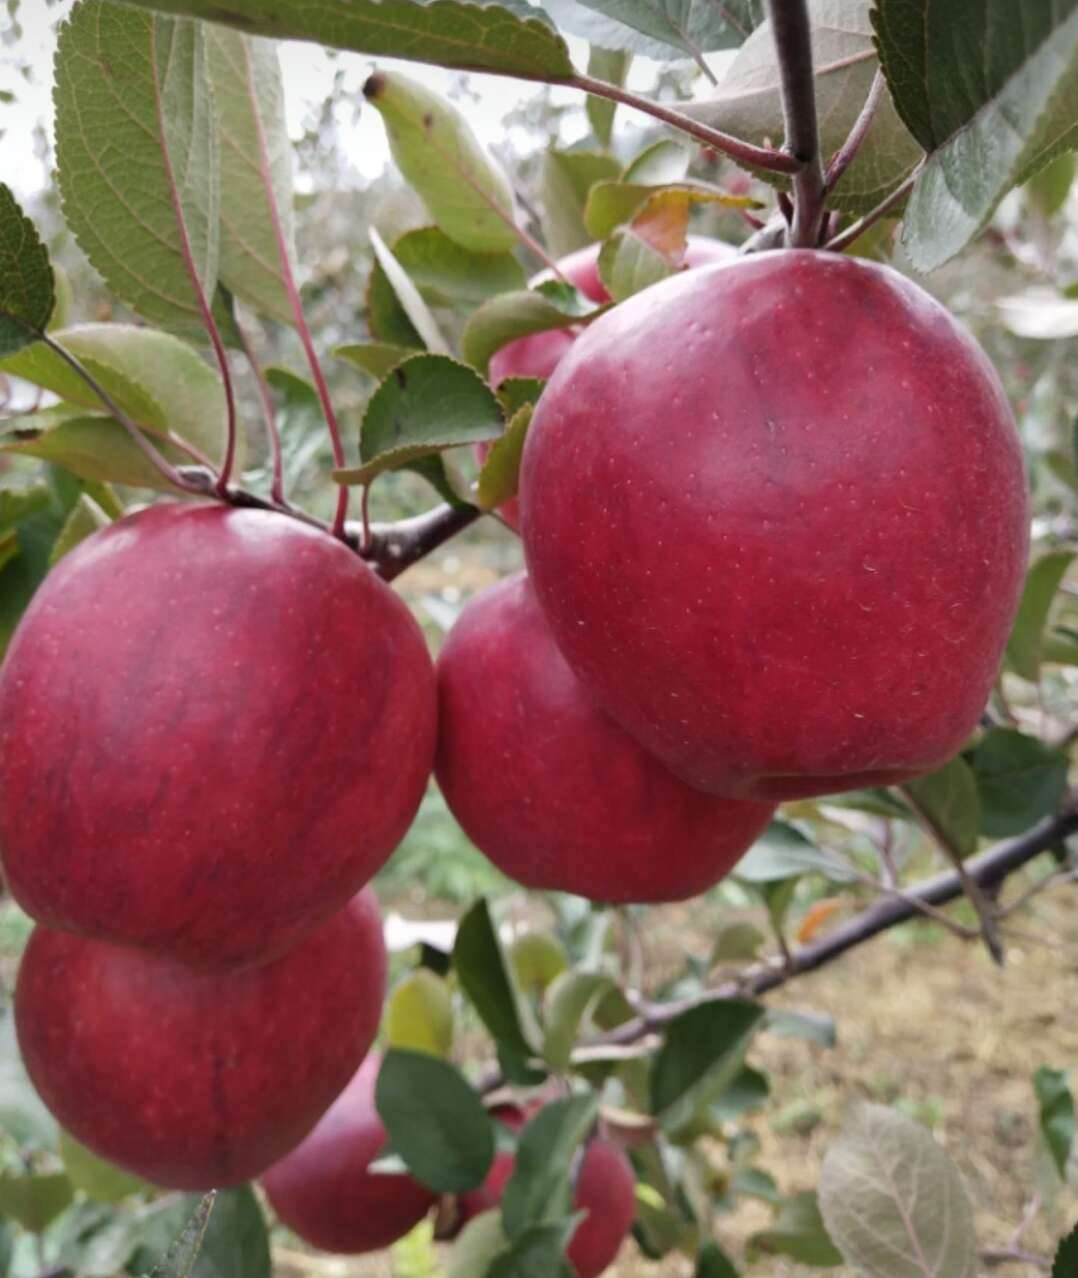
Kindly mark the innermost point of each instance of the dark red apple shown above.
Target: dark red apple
(550, 788)
(323, 1190)
(605, 1190)
(539, 354)
(776, 516)
(197, 1079)
(215, 726)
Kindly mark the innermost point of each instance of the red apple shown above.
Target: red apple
(197, 1079)
(215, 726)
(776, 516)
(323, 1190)
(549, 787)
(605, 1190)
(539, 354)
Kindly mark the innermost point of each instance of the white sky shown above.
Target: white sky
(308, 74)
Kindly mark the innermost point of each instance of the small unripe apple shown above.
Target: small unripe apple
(550, 788)
(197, 1079)
(776, 516)
(605, 1190)
(215, 726)
(324, 1191)
(538, 354)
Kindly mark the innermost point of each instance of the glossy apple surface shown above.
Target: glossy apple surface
(198, 1079)
(550, 788)
(324, 1191)
(776, 516)
(215, 726)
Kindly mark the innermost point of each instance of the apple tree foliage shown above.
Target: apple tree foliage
(946, 125)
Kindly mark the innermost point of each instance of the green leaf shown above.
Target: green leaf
(34, 1200)
(256, 170)
(661, 164)
(735, 941)
(409, 318)
(892, 1197)
(376, 359)
(571, 996)
(1019, 780)
(812, 1027)
(480, 1242)
(657, 27)
(611, 65)
(702, 1052)
(748, 102)
(990, 97)
(1048, 189)
(713, 1262)
(537, 960)
(612, 203)
(217, 1235)
(628, 264)
(27, 287)
(485, 976)
(85, 519)
(419, 1014)
(798, 1231)
(1066, 1259)
(162, 384)
(100, 1180)
(1057, 1124)
(1027, 636)
(539, 1252)
(507, 38)
(538, 1191)
(446, 273)
(783, 852)
(566, 180)
(95, 448)
(503, 319)
(137, 157)
(426, 404)
(435, 1121)
(949, 802)
(464, 188)
(500, 474)
(748, 1090)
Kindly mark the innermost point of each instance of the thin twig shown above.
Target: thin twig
(793, 44)
(856, 229)
(269, 416)
(847, 152)
(993, 1257)
(743, 153)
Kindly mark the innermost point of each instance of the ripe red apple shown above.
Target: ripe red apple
(605, 1189)
(549, 787)
(215, 726)
(776, 516)
(539, 354)
(323, 1190)
(196, 1079)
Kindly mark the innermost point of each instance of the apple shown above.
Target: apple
(538, 354)
(197, 1079)
(605, 1189)
(776, 517)
(215, 726)
(324, 1191)
(549, 787)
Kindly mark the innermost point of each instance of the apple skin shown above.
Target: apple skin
(323, 1191)
(215, 726)
(538, 354)
(196, 1079)
(776, 516)
(550, 788)
(605, 1189)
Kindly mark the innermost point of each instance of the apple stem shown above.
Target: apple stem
(847, 152)
(856, 229)
(186, 482)
(743, 153)
(793, 44)
(270, 417)
(365, 521)
(394, 547)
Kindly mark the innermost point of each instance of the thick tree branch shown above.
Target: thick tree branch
(793, 43)
(988, 870)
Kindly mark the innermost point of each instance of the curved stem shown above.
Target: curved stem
(856, 229)
(847, 152)
(793, 43)
(269, 416)
(742, 152)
